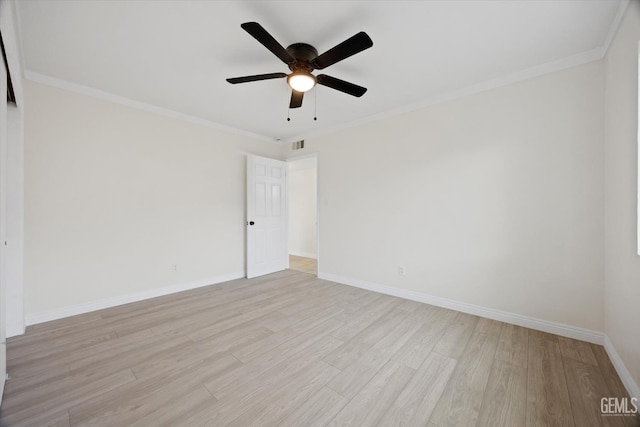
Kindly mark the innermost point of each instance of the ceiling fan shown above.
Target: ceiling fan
(302, 59)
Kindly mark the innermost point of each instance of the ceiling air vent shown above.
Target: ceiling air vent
(298, 145)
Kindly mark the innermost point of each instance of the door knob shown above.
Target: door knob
(251, 222)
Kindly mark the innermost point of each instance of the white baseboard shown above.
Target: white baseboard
(502, 316)
(303, 254)
(72, 310)
(630, 384)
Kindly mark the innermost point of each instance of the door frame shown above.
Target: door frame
(318, 198)
(14, 290)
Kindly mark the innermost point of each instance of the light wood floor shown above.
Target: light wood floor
(305, 265)
(289, 349)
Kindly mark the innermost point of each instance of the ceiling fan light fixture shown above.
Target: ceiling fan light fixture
(301, 81)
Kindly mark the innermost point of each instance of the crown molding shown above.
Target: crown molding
(519, 76)
(615, 24)
(117, 99)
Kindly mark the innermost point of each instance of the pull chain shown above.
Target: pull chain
(315, 103)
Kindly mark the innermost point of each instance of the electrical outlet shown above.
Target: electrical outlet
(401, 271)
(174, 267)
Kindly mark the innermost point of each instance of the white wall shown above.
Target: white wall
(303, 207)
(115, 196)
(494, 200)
(622, 291)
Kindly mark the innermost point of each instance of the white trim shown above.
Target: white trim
(15, 17)
(301, 157)
(303, 254)
(490, 313)
(519, 76)
(529, 73)
(632, 387)
(14, 292)
(72, 310)
(615, 24)
(107, 96)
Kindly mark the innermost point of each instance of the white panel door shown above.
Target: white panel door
(3, 221)
(267, 225)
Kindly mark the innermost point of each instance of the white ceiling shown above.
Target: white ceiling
(176, 54)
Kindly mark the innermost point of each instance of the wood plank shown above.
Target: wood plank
(42, 362)
(275, 374)
(303, 264)
(577, 350)
(416, 402)
(48, 401)
(136, 352)
(260, 389)
(44, 419)
(297, 327)
(547, 394)
(586, 387)
(505, 399)
(489, 326)
(455, 337)
(255, 316)
(313, 341)
(134, 401)
(461, 401)
(418, 347)
(255, 352)
(370, 405)
(72, 321)
(317, 411)
(377, 309)
(358, 374)
(614, 384)
(283, 401)
(26, 383)
(513, 345)
(234, 339)
(174, 412)
(402, 333)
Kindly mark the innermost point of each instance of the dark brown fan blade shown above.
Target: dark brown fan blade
(259, 33)
(341, 85)
(255, 78)
(296, 99)
(347, 48)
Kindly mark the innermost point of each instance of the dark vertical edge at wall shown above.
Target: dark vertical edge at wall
(11, 96)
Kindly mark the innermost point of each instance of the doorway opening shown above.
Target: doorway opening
(303, 214)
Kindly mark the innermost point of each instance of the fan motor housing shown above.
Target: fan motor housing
(303, 53)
